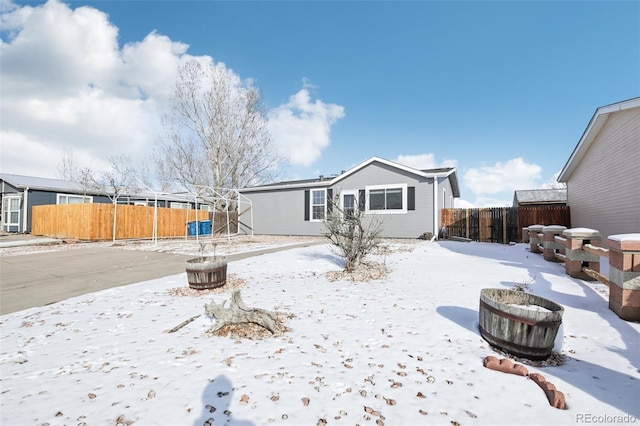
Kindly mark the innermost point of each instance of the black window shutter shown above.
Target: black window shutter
(329, 200)
(307, 202)
(411, 198)
(361, 199)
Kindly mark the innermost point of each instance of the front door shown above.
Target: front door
(348, 203)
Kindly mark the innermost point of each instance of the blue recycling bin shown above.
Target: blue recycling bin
(191, 228)
(205, 227)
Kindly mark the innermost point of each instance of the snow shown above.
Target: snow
(534, 308)
(625, 237)
(401, 350)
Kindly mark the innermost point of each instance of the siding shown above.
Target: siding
(281, 211)
(604, 189)
(410, 225)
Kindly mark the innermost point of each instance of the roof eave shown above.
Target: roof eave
(596, 123)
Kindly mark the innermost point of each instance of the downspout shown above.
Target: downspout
(25, 211)
(435, 207)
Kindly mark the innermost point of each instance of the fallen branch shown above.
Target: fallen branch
(182, 324)
(239, 313)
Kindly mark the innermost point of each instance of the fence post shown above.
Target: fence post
(533, 238)
(549, 245)
(576, 257)
(504, 226)
(624, 274)
(467, 223)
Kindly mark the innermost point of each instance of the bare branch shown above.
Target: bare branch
(352, 233)
(215, 133)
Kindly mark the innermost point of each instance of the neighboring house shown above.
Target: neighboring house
(407, 200)
(21, 193)
(603, 172)
(540, 197)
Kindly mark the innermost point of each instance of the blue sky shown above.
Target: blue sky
(501, 90)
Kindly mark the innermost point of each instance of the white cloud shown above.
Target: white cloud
(553, 183)
(68, 85)
(301, 128)
(424, 161)
(502, 177)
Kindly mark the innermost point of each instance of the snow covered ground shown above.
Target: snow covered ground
(402, 350)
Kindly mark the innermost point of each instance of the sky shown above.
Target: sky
(501, 90)
(402, 350)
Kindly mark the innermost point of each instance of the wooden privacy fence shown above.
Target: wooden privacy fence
(500, 224)
(94, 221)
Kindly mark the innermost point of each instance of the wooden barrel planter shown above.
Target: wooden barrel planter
(207, 272)
(522, 324)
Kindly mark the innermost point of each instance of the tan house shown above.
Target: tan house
(603, 172)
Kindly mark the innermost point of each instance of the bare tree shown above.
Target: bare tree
(69, 169)
(354, 234)
(553, 183)
(215, 133)
(116, 181)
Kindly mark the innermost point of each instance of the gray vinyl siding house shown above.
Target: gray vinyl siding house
(21, 193)
(603, 172)
(406, 200)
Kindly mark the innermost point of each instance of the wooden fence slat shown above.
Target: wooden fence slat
(94, 221)
(501, 224)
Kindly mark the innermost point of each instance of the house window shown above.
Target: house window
(176, 205)
(318, 204)
(387, 199)
(10, 212)
(73, 199)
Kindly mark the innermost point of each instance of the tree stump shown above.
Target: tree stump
(239, 313)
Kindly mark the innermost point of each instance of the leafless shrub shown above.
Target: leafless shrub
(353, 234)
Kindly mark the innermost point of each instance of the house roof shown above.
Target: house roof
(540, 196)
(45, 184)
(326, 181)
(65, 186)
(590, 133)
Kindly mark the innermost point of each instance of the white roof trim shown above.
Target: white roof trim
(593, 128)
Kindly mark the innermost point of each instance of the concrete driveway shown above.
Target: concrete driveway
(40, 279)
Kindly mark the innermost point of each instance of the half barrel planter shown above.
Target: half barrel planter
(204, 273)
(520, 323)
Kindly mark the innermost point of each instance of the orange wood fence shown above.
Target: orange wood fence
(94, 221)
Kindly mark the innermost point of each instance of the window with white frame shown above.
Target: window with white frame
(387, 198)
(73, 199)
(10, 212)
(176, 205)
(318, 204)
